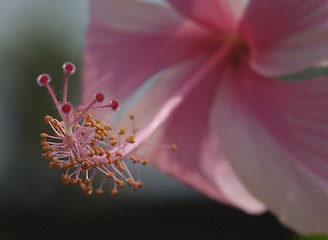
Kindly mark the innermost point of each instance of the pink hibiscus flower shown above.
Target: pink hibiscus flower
(196, 72)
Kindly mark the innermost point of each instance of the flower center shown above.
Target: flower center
(239, 51)
(238, 46)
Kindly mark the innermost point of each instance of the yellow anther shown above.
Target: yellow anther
(94, 164)
(86, 116)
(82, 186)
(114, 192)
(137, 185)
(118, 181)
(130, 182)
(87, 181)
(54, 122)
(87, 189)
(93, 142)
(91, 153)
(102, 137)
(79, 160)
(52, 165)
(46, 147)
(76, 181)
(65, 177)
(108, 153)
(44, 135)
(49, 155)
(47, 119)
(67, 165)
(91, 122)
(43, 142)
(107, 127)
(88, 192)
(109, 175)
(131, 116)
(60, 166)
(96, 136)
(118, 154)
(145, 161)
(96, 150)
(113, 143)
(119, 165)
(134, 159)
(130, 139)
(101, 151)
(72, 161)
(109, 159)
(88, 124)
(99, 192)
(112, 138)
(100, 128)
(122, 131)
(174, 147)
(85, 165)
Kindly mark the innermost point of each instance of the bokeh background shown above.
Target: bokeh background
(38, 36)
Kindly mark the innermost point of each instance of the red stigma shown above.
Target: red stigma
(100, 97)
(66, 108)
(42, 79)
(115, 105)
(69, 67)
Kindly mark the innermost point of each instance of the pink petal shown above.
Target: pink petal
(198, 161)
(286, 36)
(275, 135)
(129, 41)
(176, 110)
(220, 15)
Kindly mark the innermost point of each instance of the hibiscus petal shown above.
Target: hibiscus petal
(220, 15)
(150, 97)
(286, 36)
(275, 135)
(176, 110)
(129, 41)
(198, 161)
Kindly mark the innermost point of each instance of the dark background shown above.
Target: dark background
(38, 36)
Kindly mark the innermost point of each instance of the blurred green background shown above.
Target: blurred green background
(38, 36)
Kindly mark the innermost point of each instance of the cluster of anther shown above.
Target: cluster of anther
(84, 147)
